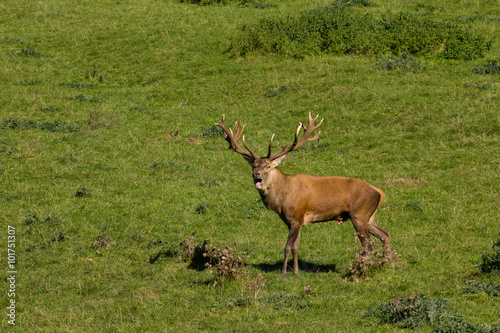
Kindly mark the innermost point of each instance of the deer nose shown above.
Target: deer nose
(256, 174)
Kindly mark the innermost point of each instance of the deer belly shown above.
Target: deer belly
(310, 218)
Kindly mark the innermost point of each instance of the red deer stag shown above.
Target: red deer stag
(303, 199)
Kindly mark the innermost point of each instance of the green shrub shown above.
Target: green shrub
(337, 30)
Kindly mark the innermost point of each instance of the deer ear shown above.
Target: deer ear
(276, 162)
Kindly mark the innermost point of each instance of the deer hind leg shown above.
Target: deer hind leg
(383, 235)
(361, 227)
(292, 245)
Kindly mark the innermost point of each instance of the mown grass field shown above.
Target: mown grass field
(108, 156)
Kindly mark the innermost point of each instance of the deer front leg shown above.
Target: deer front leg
(292, 245)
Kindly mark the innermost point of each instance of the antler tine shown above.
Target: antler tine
(233, 135)
(297, 143)
(269, 152)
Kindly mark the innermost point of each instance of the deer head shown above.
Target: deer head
(263, 168)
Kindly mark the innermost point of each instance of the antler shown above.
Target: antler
(233, 135)
(297, 143)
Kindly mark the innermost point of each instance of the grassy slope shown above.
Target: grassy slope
(426, 138)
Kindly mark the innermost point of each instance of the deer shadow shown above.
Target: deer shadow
(304, 266)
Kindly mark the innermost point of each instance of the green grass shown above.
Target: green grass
(108, 156)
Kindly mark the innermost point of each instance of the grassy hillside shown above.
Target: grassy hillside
(109, 160)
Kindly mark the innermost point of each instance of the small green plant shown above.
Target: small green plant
(78, 85)
(83, 192)
(25, 82)
(84, 99)
(479, 86)
(403, 62)
(29, 53)
(490, 262)
(206, 2)
(50, 108)
(273, 92)
(490, 68)
(342, 4)
(201, 209)
(102, 242)
(211, 132)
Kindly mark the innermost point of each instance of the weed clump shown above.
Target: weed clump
(479, 86)
(454, 326)
(43, 232)
(273, 92)
(102, 242)
(491, 288)
(194, 252)
(29, 53)
(365, 262)
(490, 68)
(337, 30)
(224, 262)
(403, 62)
(27, 124)
(411, 311)
(206, 2)
(490, 262)
(83, 192)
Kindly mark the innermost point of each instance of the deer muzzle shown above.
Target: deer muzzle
(257, 179)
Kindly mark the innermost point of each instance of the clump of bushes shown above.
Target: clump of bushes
(337, 30)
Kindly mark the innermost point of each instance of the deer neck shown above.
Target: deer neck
(275, 190)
